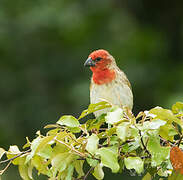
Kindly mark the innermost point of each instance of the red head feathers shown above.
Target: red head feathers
(101, 63)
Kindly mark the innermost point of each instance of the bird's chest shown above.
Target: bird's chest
(103, 92)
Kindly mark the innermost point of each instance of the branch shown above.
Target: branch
(179, 141)
(141, 139)
(72, 148)
(2, 171)
(11, 159)
(91, 169)
(166, 141)
(87, 174)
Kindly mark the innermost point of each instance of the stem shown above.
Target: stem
(145, 157)
(2, 171)
(11, 159)
(179, 141)
(141, 139)
(72, 148)
(84, 178)
(167, 141)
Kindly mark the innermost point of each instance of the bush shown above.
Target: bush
(148, 143)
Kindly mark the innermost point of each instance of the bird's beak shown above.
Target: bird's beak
(89, 62)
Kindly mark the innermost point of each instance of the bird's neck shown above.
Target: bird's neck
(103, 76)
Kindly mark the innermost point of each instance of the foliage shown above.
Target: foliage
(116, 140)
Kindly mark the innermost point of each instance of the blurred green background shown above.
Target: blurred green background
(44, 43)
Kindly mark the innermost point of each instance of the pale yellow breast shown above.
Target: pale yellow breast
(116, 93)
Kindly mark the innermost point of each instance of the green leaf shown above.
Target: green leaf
(27, 144)
(51, 126)
(159, 154)
(122, 165)
(78, 164)
(122, 130)
(63, 135)
(113, 140)
(95, 123)
(2, 151)
(114, 116)
(154, 124)
(98, 172)
(102, 135)
(162, 172)
(69, 121)
(24, 172)
(92, 162)
(134, 163)
(133, 145)
(59, 148)
(164, 132)
(35, 143)
(166, 115)
(53, 132)
(70, 171)
(177, 127)
(30, 167)
(61, 175)
(111, 131)
(125, 148)
(45, 152)
(92, 144)
(44, 143)
(177, 108)
(134, 132)
(74, 129)
(41, 165)
(109, 157)
(169, 117)
(95, 107)
(147, 177)
(12, 152)
(172, 132)
(60, 161)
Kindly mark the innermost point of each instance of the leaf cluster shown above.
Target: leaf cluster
(117, 140)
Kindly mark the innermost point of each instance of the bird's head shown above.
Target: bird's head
(99, 60)
(102, 65)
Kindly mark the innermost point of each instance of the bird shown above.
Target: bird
(108, 82)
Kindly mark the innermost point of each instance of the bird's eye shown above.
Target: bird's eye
(98, 59)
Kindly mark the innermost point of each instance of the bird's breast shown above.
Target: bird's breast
(114, 92)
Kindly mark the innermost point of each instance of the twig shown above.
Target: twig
(2, 171)
(76, 151)
(179, 141)
(167, 141)
(128, 141)
(103, 129)
(145, 157)
(81, 158)
(126, 116)
(74, 139)
(11, 159)
(141, 139)
(91, 169)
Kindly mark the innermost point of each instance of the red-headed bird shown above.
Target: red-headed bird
(108, 81)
